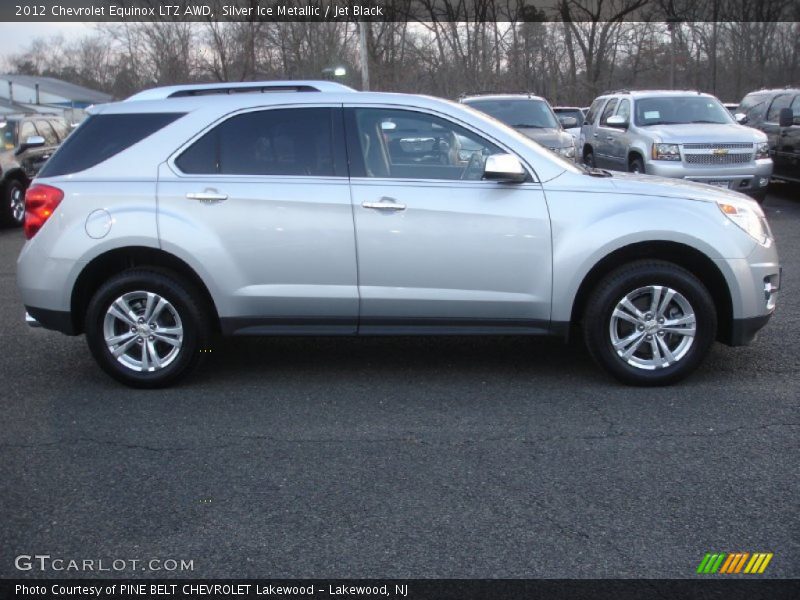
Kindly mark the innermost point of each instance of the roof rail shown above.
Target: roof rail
(203, 89)
(491, 93)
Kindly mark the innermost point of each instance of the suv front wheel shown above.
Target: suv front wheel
(650, 323)
(145, 328)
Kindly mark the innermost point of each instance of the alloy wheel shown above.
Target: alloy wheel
(143, 331)
(652, 327)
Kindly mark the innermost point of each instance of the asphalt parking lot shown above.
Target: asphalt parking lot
(447, 457)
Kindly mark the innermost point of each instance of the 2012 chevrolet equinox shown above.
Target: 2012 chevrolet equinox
(280, 208)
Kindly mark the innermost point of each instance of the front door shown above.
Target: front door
(440, 250)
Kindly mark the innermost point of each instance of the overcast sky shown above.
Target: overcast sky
(15, 36)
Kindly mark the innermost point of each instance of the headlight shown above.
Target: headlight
(762, 150)
(568, 152)
(666, 152)
(749, 219)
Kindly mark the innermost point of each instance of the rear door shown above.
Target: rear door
(787, 156)
(440, 250)
(260, 204)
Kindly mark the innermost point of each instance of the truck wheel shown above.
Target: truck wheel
(650, 323)
(636, 165)
(12, 211)
(145, 328)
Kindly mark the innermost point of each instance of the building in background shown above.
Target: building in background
(28, 93)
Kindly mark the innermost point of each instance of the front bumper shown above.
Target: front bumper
(750, 178)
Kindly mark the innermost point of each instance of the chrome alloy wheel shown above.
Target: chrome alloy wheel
(143, 331)
(18, 204)
(653, 327)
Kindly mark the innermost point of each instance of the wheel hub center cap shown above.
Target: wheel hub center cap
(651, 326)
(143, 328)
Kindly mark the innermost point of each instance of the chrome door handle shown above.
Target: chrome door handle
(207, 196)
(596, 134)
(610, 138)
(384, 204)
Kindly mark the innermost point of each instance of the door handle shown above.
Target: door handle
(610, 138)
(385, 204)
(596, 134)
(208, 195)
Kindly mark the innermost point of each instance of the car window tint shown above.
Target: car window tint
(593, 110)
(414, 145)
(102, 136)
(754, 106)
(608, 111)
(624, 109)
(796, 107)
(47, 132)
(780, 101)
(270, 142)
(61, 127)
(26, 130)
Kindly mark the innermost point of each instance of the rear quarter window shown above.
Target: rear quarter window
(102, 136)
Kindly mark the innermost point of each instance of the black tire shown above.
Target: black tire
(588, 157)
(636, 165)
(759, 196)
(182, 301)
(637, 276)
(12, 195)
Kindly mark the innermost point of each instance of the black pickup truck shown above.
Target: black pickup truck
(776, 113)
(26, 142)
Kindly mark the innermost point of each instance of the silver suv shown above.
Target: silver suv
(530, 115)
(686, 135)
(191, 211)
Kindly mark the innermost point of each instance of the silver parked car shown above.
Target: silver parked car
(530, 115)
(678, 134)
(189, 211)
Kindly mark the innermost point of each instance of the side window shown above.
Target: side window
(593, 110)
(296, 141)
(624, 109)
(608, 111)
(780, 101)
(47, 132)
(414, 145)
(102, 136)
(7, 140)
(796, 108)
(62, 130)
(26, 130)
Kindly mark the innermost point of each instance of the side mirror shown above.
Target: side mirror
(617, 122)
(504, 168)
(35, 141)
(741, 118)
(568, 122)
(786, 117)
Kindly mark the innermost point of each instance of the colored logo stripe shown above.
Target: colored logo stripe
(734, 562)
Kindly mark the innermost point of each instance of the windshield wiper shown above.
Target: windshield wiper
(662, 123)
(526, 126)
(704, 121)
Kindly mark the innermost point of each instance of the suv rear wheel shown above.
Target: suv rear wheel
(145, 328)
(650, 323)
(12, 211)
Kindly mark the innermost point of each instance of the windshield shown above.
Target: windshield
(519, 113)
(570, 112)
(675, 110)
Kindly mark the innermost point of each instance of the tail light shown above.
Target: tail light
(40, 203)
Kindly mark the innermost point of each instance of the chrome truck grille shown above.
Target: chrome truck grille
(722, 153)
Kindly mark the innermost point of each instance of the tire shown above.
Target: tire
(180, 333)
(647, 365)
(588, 158)
(636, 165)
(12, 211)
(759, 196)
